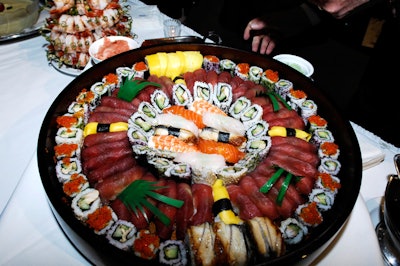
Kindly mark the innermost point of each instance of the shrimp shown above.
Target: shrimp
(61, 6)
(170, 143)
(98, 4)
(201, 106)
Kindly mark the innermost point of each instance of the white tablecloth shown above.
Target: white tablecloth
(28, 231)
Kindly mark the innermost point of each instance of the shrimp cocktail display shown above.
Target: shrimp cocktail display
(185, 158)
(73, 25)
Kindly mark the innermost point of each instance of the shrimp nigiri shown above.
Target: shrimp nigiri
(170, 143)
(201, 106)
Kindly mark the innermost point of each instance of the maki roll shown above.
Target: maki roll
(181, 95)
(251, 114)
(76, 184)
(160, 164)
(99, 88)
(330, 166)
(293, 231)
(232, 174)
(159, 100)
(323, 198)
(69, 135)
(227, 65)
(309, 214)
(316, 122)
(85, 203)
(242, 70)
(64, 150)
(255, 73)
(66, 167)
(211, 63)
(296, 98)
(238, 107)
(173, 252)
(328, 182)
(139, 69)
(147, 109)
(101, 219)
(322, 135)
(69, 120)
(142, 122)
(282, 87)
(88, 97)
(146, 244)
(268, 79)
(202, 90)
(223, 96)
(137, 136)
(307, 109)
(328, 149)
(260, 145)
(258, 129)
(181, 171)
(122, 234)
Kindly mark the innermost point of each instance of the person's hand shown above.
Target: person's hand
(338, 8)
(262, 42)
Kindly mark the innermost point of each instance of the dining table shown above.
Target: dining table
(30, 234)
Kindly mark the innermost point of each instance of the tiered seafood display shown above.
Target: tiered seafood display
(189, 159)
(74, 25)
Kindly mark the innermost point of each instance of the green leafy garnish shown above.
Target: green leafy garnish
(135, 198)
(282, 191)
(274, 97)
(131, 87)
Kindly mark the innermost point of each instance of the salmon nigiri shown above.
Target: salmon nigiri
(230, 152)
(170, 143)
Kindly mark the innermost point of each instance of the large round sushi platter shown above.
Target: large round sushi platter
(197, 154)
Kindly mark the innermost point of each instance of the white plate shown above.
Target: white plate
(296, 62)
(67, 70)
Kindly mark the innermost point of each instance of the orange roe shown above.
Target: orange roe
(66, 121)
(329, 148)
(317, 120)
(272, 75)
(65, 149)
(299, 94)
(243, 68)
(85, 96)
(111, 79)
(311, 215)
(74, 185)
(146, 244)
(328, 182)
(211, 58)
(100, 218)
(140, 66)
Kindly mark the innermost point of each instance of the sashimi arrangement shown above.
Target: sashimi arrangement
(191, 159)
(74, 25)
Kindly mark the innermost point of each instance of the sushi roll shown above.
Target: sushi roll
(85, 203)
(242, 70)
(211, 63)
(76, 184)
(328, 149)
(238, 107)
(259, 145)
(202, 90)
(252, 114)
(316, 122)
(69, 120)
(223, 96)
(250, 161)
(122, 234)
(322, 135)
(78, 107)
(148, 110)
(257, 129)
(328, 182)
(160, 164)
(227, 65)
(88, 97)
(64, 150)
(293, 231)
(255, 73)
(307, 109)
(330, 166)
(101, 219)
(282, 87)
(181, 95)
(146, 244)
(69, 135)
(323, 198)
(309, 214)
(110, 81)
(296, 98)
(99, 88)
(173, 253)
(66, 167)
(139, 69)
(124, 72)
(159, 100)
(269, 78)
(232, 174)
(141, 121)
(137, 136)
(181, 171)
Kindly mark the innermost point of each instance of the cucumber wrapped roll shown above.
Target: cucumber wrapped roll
(238, 107)
(122, 234)
(322, 135)
(323, 198)
(227, 65)
(255, 74)
(223, 96)
(66, 167)
(69, 135)
(85, 203)
(147, 109)
(181, 95)
(257, 129)
(330, 166)
(159, 100)
(293, 231)
(202, 90)
(282, 87)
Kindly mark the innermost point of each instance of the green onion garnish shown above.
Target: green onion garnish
(268, 185)
(283, 189)
(134, 197)
(131, 87)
